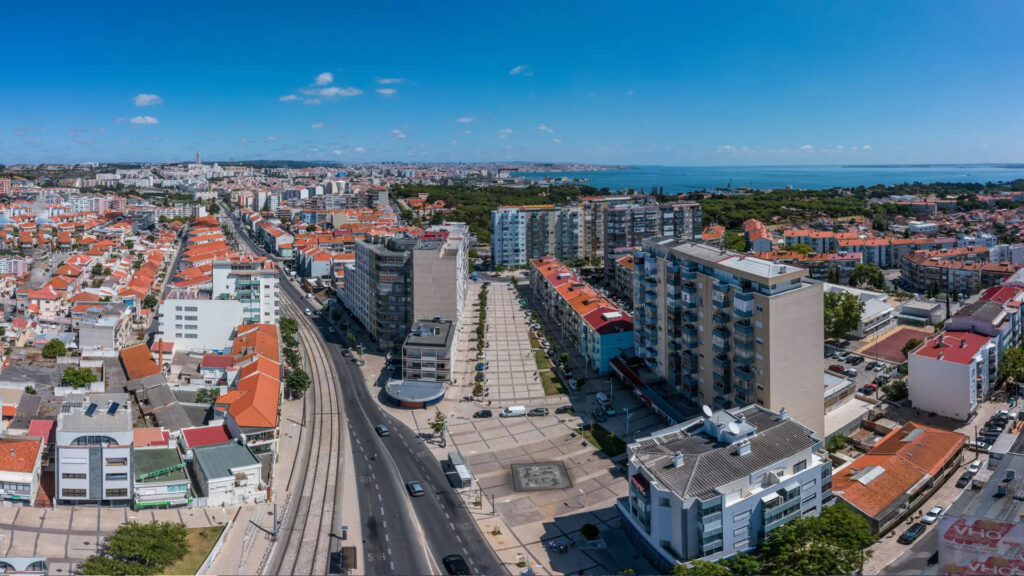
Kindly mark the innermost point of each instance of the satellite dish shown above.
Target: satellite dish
(734, 428)
(707, 410)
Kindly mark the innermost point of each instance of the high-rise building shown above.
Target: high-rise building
(718, 485)
(626, 225)
(728, 330)
(593, 208)
(521, 233)
(253, 281)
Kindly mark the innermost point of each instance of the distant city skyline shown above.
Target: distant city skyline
(673, 84)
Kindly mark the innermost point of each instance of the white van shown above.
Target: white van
(601, 398)
(513, 411)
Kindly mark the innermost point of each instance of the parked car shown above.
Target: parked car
(456, 565)
(851, 372)
(856, 360)
(415, 489)
(1007, 414)
(880, 379)
(964, 480)
(599, 415)
(837, 368)
(912, 533)
(382, 430)
(331, 329)
(975, 466)
(537, 412)
(867, 390)
(978, 446)
(990, 439)
(482, 414)
(992, 430)
(563, 410)
(932, 515)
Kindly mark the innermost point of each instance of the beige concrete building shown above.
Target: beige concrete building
(730, 330)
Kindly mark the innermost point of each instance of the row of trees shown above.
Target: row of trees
(833, 543)
(297, 381)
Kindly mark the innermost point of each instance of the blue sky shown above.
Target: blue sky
(673, 83)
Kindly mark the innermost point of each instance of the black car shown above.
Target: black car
(455, 565)
(382, 430)
(563, 410)
(991, 430)
(964, 480)
(912, 533)
(855, 360)
(538, 412)
(482, 414)
(599, 415)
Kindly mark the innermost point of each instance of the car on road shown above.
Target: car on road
(837, 368)
(331, 329)
(538, 412)
(415, 489)
(932, 515)
(309, 312)
(455, 565)
(975, 466)
(600, 415)
(563, 410)
(964, 480)
(912, 533)
(382, 430)
(482, 414)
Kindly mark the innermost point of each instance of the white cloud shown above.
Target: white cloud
(866, 147)
(148, 100)
(271, 138)
(807, 147)
(318, 125)
(312, 101)
(387, 91)
(390, 80)
(288, 98)
(556, 140)
(336, 152)
(333, 92)
(398, 133)
(466, 120)
(545, 128)
(467, 131)
(360, 149)
(243, 140)
(521, 70)
(323, 79)
(143, 120)
(726, 148)
(504, 132)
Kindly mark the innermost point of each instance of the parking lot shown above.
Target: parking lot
(856, 367)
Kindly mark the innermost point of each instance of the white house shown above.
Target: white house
(228, 474)
(951, 371)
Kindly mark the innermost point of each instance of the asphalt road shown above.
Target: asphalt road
(915, 559)
(401, 534)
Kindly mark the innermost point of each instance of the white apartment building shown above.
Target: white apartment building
(196, 322)
(727, 329)
(253, 281)
(440, 273)
(878, 315)
(94, 449)
(718, 485)
(951, 371)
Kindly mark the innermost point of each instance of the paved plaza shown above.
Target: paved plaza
(511, 369)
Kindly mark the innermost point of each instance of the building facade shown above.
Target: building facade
(730, 330)
(253, 281)
(626, 225)
(195, 322)
(94, 450)
(951, 371)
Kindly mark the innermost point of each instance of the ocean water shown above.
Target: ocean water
(682, 179)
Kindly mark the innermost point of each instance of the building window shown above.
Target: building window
(72, 476)
(800, 466)
(73, 493)
(191, 309)
(192, 318)
(113, 477)
(664, 502)
(117, 492)
(117, 461)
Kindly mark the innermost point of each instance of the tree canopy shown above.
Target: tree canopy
(55, 348)
(139, 549)
(868, 275)
(150, 301)
(297, 382)
(77, 377)
(288, 325)
(1012, 364)
(910, 345)
(842, 313)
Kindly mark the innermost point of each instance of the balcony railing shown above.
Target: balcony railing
(744, 373)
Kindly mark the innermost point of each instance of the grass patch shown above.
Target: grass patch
(607, 442)
(534, 342)
(552, 384)
(543, 362)
(200, 542)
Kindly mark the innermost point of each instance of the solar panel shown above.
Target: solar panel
(113, 409)
(91, 409)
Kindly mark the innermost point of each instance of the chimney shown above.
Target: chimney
(743, 448)
(963, 342)
(160, 354)
(12, 452)
(783, 414)
(678, 460)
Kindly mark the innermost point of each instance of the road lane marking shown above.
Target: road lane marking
(459, 538)
(448, 516)
(452, 525)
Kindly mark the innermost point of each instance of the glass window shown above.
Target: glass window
(72, 476)
(73, 492)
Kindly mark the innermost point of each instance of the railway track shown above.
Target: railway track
(305, 535)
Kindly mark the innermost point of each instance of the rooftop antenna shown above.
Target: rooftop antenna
(707, 410)
(734, 428)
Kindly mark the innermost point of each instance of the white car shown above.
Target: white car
(975, 466)
(932, 515)
(308, 312)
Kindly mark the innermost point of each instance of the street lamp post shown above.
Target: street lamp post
(584, 497)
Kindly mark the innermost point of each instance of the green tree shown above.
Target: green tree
(1012, 364)
(842, 313)
(700, 568)
(97, 269)
(150, 301)
(77, 377)
(896, 390)
(54, 348)
(909, 346)
(351, 338)
(297, 382)
(438, 422)
(288, 325)
(868, 275)
(289, 340)
(800, 248)
(213, 208)
(743, 565)
(836, 442)
(734, 241)
(832, 543)
(139, 549)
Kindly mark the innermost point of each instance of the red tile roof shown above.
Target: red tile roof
(954, 346)
(138, 362)
(19, 454)
(205, 436)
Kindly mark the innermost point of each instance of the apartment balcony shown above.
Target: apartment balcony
(721, 385)
(743, 399)
(687, 275)
(745, 373)
(743, 329)
(689, 338)
(720, 318)
(721, 403)
(672, 291)
(743, 354)
(688, 288)
(745, 388)
(719, 345)
(720, 361)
